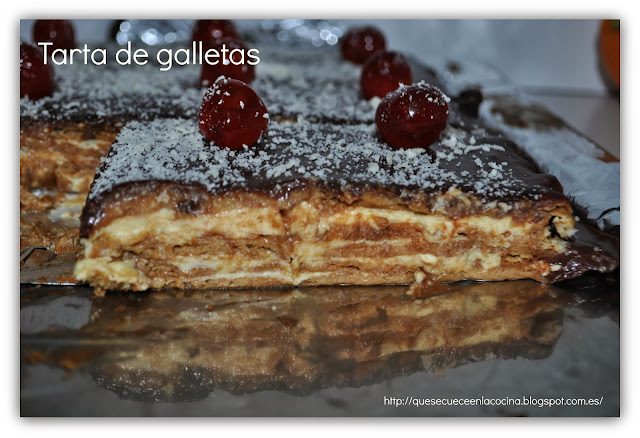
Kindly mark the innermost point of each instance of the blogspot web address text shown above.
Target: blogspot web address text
(539, 402)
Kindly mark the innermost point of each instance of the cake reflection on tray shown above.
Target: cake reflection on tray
(180, 346)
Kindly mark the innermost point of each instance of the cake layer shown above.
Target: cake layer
(50, 220)
(63, 158)
(245, 239)
(319, 204)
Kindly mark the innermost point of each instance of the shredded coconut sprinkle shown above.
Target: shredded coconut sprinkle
(175, 150)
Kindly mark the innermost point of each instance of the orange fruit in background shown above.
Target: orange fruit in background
(609, 53)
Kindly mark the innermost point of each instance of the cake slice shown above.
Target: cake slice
(320, 204)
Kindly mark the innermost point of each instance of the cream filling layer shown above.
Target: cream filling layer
(308, 221)
(164, 226)
(308, 259)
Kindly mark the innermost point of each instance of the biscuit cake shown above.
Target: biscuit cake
(321, 199)
(319, 204)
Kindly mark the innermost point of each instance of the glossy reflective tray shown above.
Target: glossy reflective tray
(502, 348)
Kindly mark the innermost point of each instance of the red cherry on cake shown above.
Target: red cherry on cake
(59, 32)
(360, 43)
(36, 78)
(232, 114)
(383, 73)
(235, 65)
(413, 116)
(210, 31)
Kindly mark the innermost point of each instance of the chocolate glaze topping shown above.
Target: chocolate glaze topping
(338, 158)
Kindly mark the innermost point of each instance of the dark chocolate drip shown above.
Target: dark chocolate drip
(578, 259)
(469, 101)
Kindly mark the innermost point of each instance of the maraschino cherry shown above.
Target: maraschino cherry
(36, 78)
(238, 69)
(232, 115)
(210, 31)
(360, 43)
(59, 32)
(383, 73)
(413, 116)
